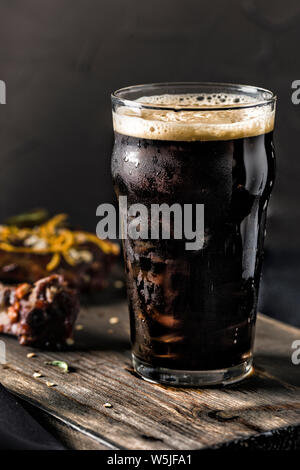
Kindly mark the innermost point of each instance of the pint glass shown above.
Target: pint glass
(193, 311)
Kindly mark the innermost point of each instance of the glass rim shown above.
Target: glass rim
(271, 98)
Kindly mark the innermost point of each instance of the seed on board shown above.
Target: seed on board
(79, 327)
(70, 341)
(107, 405)
(50, 384)
(63, 365)
(30, 355)
(37, 375)
(119, 284)
(113, 320)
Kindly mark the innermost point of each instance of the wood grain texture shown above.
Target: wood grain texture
(148, 416)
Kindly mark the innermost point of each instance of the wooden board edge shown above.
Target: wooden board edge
(102, 441)
(279, 324)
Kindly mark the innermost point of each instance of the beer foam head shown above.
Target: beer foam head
(192, 117)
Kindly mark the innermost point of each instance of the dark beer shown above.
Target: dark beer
(193, 313)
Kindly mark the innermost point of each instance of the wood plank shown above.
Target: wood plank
(70, 437)
(148, 416)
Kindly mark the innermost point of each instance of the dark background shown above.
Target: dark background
(61, 59)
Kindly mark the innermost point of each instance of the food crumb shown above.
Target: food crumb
(114, 320)
(36, 375)
(30, 355)
(70, 341)
(79, 327)
(119, 284)
(107, 405)
(50, 384)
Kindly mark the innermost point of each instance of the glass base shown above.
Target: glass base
(192, 378)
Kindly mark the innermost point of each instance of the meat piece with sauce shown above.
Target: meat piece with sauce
(42, 314)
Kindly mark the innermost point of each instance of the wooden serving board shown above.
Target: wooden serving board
(263, 410)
